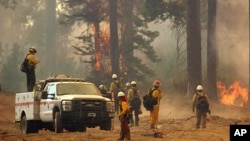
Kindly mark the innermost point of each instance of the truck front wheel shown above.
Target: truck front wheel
(58, 123)
(106, 125)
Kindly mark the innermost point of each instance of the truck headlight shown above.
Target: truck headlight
(110, 106)
(66, 105)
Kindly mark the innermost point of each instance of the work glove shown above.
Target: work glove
(140, 112)
(122, 118)
(119, 116)
(209, 112)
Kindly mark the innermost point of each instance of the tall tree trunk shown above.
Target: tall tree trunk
(193, 45)
(127, 34)
(50, 50)
(211, 50)
(114, 37)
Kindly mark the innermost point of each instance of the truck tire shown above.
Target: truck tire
(106, 125)
(83, 128)
(58, 123)
(80, 128)
(35, 126)
(25, 125)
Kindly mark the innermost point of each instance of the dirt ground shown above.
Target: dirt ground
(176, 121)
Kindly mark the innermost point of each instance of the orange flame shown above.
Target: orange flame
(102, 47)
(233, 95)
(98, 62)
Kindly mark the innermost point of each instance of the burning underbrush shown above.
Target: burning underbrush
(234, 94)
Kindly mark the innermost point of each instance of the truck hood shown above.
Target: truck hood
(80, 97)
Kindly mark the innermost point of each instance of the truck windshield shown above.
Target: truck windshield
(74, 88)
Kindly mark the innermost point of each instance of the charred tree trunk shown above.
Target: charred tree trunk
(97, 64)
(97, 50)
(193, 45)
(114, 37)
(211, 50)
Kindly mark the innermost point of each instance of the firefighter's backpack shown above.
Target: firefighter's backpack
(135, 100)
(149, 101)
(202, 103)
(24, 67)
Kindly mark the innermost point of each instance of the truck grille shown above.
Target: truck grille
(90, 106)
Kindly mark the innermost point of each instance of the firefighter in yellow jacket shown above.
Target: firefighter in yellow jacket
(124, 119)
(157, 95)
(31, 76)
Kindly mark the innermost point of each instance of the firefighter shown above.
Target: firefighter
(157, 95)
(134, 100)
(123, 116)
(126, 88)
(115, 87)
(30, 75)
(104, 91)
(200, 107)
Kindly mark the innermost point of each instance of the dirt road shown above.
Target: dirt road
(176, 122)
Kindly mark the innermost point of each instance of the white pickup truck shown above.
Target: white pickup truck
(63, 103)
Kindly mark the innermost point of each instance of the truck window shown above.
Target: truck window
(51, 89)
(77, 88)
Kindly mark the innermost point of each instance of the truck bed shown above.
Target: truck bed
(28, 102)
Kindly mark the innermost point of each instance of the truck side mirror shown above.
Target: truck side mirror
(44, 94)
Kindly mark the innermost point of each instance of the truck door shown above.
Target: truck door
(47, 104)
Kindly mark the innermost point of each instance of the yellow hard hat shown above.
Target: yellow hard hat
(32, 49)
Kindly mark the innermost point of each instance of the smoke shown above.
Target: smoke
(233, 39)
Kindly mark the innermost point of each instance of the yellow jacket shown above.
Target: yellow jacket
(157, 94)
(33, 61)
(124, 108)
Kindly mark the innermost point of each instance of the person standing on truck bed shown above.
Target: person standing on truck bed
(30, 75)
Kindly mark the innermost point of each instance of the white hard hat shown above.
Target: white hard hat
(114, 76)
(199, 88)
(133, 82)
(120, 94)
(128, 84)
(101, 87)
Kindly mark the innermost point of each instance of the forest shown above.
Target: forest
(182, 43)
